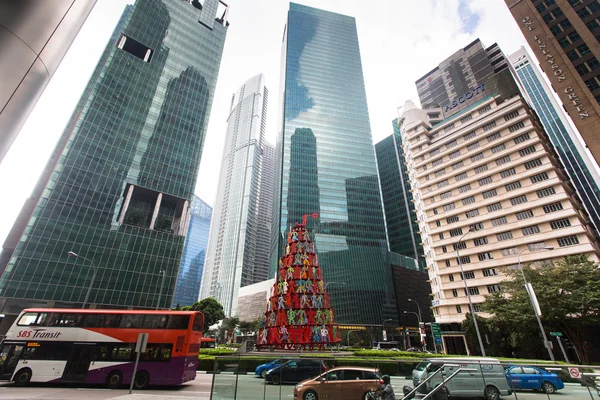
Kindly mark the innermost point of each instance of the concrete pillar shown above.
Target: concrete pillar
(181, 229)
(156, 208)
(126, 204)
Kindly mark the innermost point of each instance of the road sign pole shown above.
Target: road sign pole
(140, 347)
(562, 349)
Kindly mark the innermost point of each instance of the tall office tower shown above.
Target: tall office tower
(579, 166)
(488, 188)
(565, 37)
(117, 188)
(35, 37)
(326, 164)
(235, 230)
(194, 252)
(265, 214)
(398, 203)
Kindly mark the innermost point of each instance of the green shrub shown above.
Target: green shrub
(217, 352)
(206, 363)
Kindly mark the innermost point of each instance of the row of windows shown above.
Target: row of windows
(101, 352)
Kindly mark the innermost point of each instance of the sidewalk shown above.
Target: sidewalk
(160, 396)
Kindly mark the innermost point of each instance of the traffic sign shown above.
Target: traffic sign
(557, 334)
(574, 372)
(438, 340)
(435, 330)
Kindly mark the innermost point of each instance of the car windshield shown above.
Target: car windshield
(421, 366)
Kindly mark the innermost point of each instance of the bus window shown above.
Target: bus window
(131, 321)
(123, 352)
(178, 322)
(60, 319)
(33, 319)
(154, 322)
(156, 352)
(198, 323)
(101, 321)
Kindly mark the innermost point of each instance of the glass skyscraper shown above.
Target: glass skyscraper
(235, 232)
(194, 251)
(578, 165)
(326, 164)
(398, 203)
(118, 186)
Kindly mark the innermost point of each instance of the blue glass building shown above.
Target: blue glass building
(398, 203)
(194, 251)
(326, 164)
(117, 189)
(579, 166)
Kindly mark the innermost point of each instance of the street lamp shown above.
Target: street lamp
(464, 278)
(87, 295)
(383, 329)
(533, 301)
(162, 282)
(419, 308)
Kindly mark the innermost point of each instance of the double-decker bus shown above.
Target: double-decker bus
(207, 343)
(98, 347)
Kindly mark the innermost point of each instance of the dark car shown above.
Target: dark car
(535, 378)
(295, 371)
(262, 369)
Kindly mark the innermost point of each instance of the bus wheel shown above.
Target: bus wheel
(23, 377)
(142, 380)
(114, 380)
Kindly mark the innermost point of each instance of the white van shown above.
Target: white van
(488, 380)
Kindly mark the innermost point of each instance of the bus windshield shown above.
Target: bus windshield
(388, 345)
(98, 346)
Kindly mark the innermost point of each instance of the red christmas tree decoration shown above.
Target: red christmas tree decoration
(298, 312)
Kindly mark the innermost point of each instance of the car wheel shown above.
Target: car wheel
(23, 377)
(114, 380)
(263, 373)
(549, 388)
(141, 381)
(310, 395)
(275, 379)
(371, 395)
(491, 393)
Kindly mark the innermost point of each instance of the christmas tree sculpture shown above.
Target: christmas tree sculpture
(298, 313)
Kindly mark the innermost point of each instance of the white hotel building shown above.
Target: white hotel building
(487, 187)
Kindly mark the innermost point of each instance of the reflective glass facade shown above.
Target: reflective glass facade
(398, 205)
(326, 164)
(231, 256)
(118, 186)
(194, 251)
(577, 164)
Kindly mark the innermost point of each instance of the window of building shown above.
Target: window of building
(481, 168)
(135, 48)
(464, 188)
(468, 200)
(438, 223)
(522, 138)
(511, 115)
(518, 200)
(489, 126)
(473, 291)
(473, 146)
(530, 230)
(512, 186)
(449, 206)
(560, 223)
(539, 177)
(476, 227)
(454, 154)
(536, 246)
(592, 83)
(493, 136)
(441, 235)
(447, 263)
(456, 232)
(485, 181)
(550, 208)
(568, 241)
(466, 118)
(533, 163)
(462, 176)
(468, 274)
(508, 172)
(452, 219)
(485, 109)
(478, 307)
(463, 260)
(446, 195)
(516, 127)
(549, 191)
(468, 136)
(458, 309)
(476, 157)
(444, 249)
(434, 152)
(489, 193)
(443, 183)
(451, 277)
(457, 165)
(511, 251)
(451, 143)
(498, 148)
(503, 160)
(494, 288)
(524, 214)
(454, 293)
(494, 207)
(490, 272)
(472, 213)
(480, 241)
(440, 172)
(504, 236)
(499, 221)
(459, 246)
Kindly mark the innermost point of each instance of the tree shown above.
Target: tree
(212, 310)
(568, 292)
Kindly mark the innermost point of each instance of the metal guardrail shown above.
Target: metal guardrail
(412, 393)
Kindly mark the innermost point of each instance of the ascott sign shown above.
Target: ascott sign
(469, 95)
(556, 69)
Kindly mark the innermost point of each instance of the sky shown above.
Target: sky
(400, 41)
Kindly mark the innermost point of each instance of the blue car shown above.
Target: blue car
(262, 369)
(533, 378)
